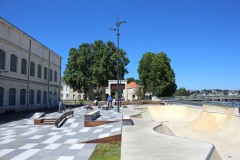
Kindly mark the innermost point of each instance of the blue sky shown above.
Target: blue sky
(201, 37)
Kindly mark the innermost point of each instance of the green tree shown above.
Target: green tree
(92, 65)
(182, 92)
(156, 74)
(144, 71)
(130, 79)
(225, 92)
(163, 76)
(77, 70)
(139, 93)
(138, 82)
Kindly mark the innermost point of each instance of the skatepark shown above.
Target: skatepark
(181, 131)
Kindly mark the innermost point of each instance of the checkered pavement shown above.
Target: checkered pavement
(21, 140)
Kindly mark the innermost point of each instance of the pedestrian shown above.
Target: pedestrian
(109, 100)
(96, 102)
(114, 102)
(60, 106)
(63, 107)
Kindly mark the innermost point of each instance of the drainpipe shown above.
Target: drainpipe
(60, 79)
(48, 76)
(30, 44)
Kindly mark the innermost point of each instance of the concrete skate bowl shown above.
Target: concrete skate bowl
(216, 125)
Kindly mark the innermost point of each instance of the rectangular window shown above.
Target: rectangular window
(24, 66)
(39, 71)
(1, 96)
(45, 73)
(13, 63)
(2, 59)
(55, 76)
(51, 73)
(32, 69)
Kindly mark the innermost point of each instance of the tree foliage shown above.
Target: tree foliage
(144, 71)
(92, 65)
(156, 74)
(182, 92)
(130, 79)
(139, 92)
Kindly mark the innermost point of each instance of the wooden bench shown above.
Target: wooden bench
(92, 115)
(62, 117)
(53, 121)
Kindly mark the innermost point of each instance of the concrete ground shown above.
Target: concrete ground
(181, 132)
(159, 132)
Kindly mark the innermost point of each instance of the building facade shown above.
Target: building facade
(132, 89)
(67, 93)
(112, 89)
(128, 91)
(30, 73)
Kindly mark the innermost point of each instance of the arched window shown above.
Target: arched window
(51, 75)
(1, 96)
(24, 66)
(38, 97)
(45, 97)
(22, 96)
(2, 59)
(45, 73)
(13, 63)
(55, 76)
(39, 71)
(31, 96)
(12, 97)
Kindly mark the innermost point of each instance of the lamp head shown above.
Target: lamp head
(113, 29)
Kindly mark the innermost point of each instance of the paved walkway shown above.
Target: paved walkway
(21, 140)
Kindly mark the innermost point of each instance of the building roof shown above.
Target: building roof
(133, 85)
(19, 30)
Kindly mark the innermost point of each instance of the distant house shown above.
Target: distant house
(129, 91)
(132, 89)
(67, 93)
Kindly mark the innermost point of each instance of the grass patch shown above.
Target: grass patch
(107, 151)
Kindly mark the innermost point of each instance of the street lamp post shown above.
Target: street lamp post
(118, 23)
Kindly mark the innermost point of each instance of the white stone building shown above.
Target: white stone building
(129, 91)
(132, 89)
(67, 93)
(30, 73)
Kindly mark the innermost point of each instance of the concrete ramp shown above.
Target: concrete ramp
(38, 115)
(216, 125)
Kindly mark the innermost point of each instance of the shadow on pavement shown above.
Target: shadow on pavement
(15, 116)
